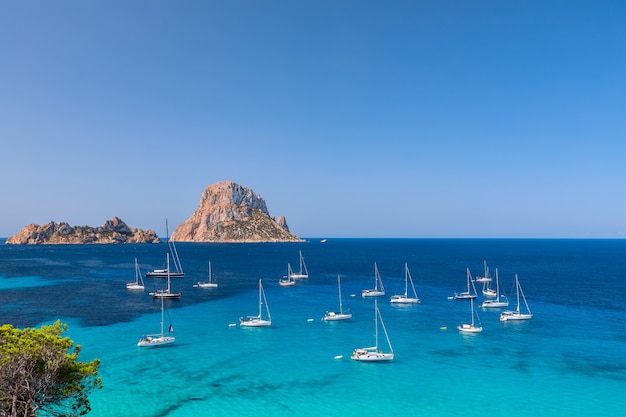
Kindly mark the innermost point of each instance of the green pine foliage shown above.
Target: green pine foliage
(40, 373)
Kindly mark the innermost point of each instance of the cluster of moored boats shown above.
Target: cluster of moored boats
(493, 298)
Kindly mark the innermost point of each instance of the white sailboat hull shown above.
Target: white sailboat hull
(332, 316)
(299, 276)
(371, 355)
(489, 293)
(254, 322)
(206, 285)
(163, 274)
(163, 294)
(286, 283)
(155, 340)
(134, 286)
(513, 315)
(401, 299)
(495, 304)
(468, 328)
(464, 296)
(372, 293)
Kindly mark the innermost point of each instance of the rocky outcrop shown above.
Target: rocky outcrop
(112, 231)
(229, 212)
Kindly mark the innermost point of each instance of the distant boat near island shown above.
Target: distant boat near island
(138, 283)
(303, 273)
(167, 293)
(178, 268)
(209, 283)
(288, 280)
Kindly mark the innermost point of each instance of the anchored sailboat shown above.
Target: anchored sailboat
(178, 268)
(517, 314)
(404, 298)
(258, 321)
(340, 315)
(379, 289)
(486, 275)
(138, 284)
(208, 284)
(167, 293)
(471, 289)
(288, 280)
(373, 354)
(471, 328)
(303, 273)
(500, 300)
(158, 339)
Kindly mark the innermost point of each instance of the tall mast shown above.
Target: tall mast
(517, 291)
(339, 285)
(168, 272)
(406, 279)
(260, 291)
(162, 317)
(376, 319)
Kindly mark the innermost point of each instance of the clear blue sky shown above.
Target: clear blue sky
(351, 118)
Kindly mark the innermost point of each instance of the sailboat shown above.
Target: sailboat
(467, 293)
(303, 273)
(373, 354)
(208, 284)
(404, 298)
(288, 280)
(166, 293)
(340, 315)
(162, 273)
(486, 279)
(500, 300)
(488, 292)
(258, 321)
(137, 285)
(158, 339)
(379, 289)
(470, 328)
(517, 314)
(486, 275)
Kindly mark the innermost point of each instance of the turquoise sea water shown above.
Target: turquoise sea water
(570, 359)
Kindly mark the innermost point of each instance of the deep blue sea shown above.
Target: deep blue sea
(570, 359)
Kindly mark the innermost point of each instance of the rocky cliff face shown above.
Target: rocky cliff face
(229, 212)
(112, 231)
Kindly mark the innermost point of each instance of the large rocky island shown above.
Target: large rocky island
(229, 212)
(112, 231)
